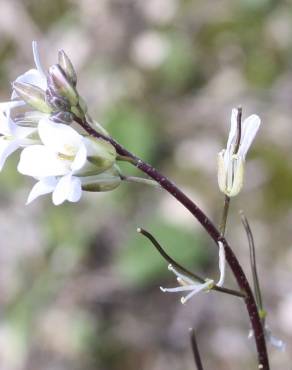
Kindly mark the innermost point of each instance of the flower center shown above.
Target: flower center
(66, 157)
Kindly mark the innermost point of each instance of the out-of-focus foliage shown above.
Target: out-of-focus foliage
(79, 288)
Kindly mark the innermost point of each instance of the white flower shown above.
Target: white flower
(194, 287)
(35, 76)
(187, 284)
(230, 164)
(12, 136)
(61, 160)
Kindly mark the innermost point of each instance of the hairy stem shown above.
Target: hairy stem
(210, 228)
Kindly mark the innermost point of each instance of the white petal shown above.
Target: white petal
(7, 147)
(32, 77)
(222, 264)
(11, 128)
(5, 127)
(249, 129)
(5, 106)
(37, 60)
(80, 158)
(59, 137)
(22, 132)
(183, 288)
(197, 289)
(39, 161)
(44, 186)
(68, 188)
(75, 191)
(6, 123)
(222, 171)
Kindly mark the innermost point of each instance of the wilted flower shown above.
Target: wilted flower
(231, 164)
(194, 287)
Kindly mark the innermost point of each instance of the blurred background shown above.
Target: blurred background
(79, 287)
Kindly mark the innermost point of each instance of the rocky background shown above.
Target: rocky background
(79, 289)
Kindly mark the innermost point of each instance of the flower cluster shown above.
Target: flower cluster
(39, 120)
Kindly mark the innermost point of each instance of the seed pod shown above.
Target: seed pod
(67, 67)
(32, 95)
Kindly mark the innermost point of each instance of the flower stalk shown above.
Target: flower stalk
(195, 348)
(210, 228)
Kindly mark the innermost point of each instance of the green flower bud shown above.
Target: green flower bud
(67, 67)
(33, 96)
(59, 82)
(105, 181)
(82, 105)
(100, 153)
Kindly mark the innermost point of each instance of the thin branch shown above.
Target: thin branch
(253, 262)
(170, 260)
(195, 349)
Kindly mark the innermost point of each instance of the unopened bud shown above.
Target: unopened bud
(62, 117)
(100, 153)
(59, 82)
(57, 102)
(105, 181)
(67, 67)
(32, 95)
(82, 105)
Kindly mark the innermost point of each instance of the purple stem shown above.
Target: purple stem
(170, 187)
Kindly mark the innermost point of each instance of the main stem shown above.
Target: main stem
(170, 187)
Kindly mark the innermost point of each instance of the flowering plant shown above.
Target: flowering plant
(67, 152)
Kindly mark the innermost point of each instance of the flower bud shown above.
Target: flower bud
(32, 95)
(67, 67)
(100, 153)
(59, 82)
(105, 181)
(62, 117)
(82, 105)
(230, 174)
(57, 102)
